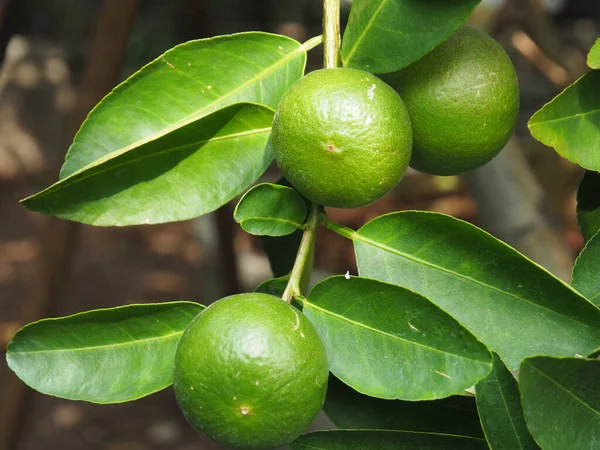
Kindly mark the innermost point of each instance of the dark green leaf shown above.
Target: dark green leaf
(588, 204)
(189, 172)
(388, 342)
(185, 84)
(571, 122)
(385, 440)
(593, 58)
(586, 272)
(383, 36)
(274, 286)
(270, 210)
(561, 402)
(103, 356)
(350, 410)
(500, 410)
(511, 304)
(281, 252)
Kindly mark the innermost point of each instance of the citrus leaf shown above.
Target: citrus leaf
(385, 440)
(102, 356)
(189, 172)
(585, 272)
(508, 302)
(593, 59)
(500, 410)
(270, 210)
(183, 85)
(588, 204)
(388, 342)
(274, 286)
(560, 401)
(350, 410)
(281, 252)
(386, 35)
(570, 123)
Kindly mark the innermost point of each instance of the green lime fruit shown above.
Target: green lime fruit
(463, 102)
(342, 137)
(251, 372)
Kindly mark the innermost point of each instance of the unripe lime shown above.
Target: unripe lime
(342, 137)
(463, 102)
(251, 372)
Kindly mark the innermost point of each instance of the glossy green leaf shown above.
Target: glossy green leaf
(588, 204)
(388, 342)
(561, 402)
(586, 272)
(183, 85)
(385, 440)
(274, 286)
(103, 356)
(508, 302)
(499, 406)
(270, 210)
(350, 410)
(189, 172)
(570, 123)
(383, 36)
(593, 59)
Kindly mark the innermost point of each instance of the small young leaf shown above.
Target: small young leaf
(270, 210)
(185, 84)
(561, 403)
(500, 410)
(508, 302)
(383, 36)
(585, 272)
(189, 172)
(588, 204)
(281, 252)
(388, 342)
(570, 123)
(385, 440)
(593, 59)
(103, 356)
(350, 410)
(274, 286)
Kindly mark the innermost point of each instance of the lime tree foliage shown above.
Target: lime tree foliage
(422, 348)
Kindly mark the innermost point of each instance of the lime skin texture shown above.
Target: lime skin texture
(251, 372)
(463, 102)
(342, 137)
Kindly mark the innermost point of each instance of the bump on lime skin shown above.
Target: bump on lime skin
(463, 102)
(342, 137)
(251, 372)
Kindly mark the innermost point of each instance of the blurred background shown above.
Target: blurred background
(60, 57)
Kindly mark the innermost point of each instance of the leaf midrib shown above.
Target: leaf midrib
(412, 258)
(367, 327)
(560, 119)
(95, 347)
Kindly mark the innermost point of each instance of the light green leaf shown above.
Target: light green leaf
(593, 59)
(500, 410)
(387, 342)
(588, 204)
(350, 410)
(184, 85)
(561, 403)
(270, 210)
(570, 123)
(103, 356)
(385, 440)
(383, 36)
(189, 172)
(508, 302)
(586, 272)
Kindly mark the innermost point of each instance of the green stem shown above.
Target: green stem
(331, 33)
(343, 231)
(292, 289)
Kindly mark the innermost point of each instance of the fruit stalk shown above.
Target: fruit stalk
(292, 289)
(331, 33)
